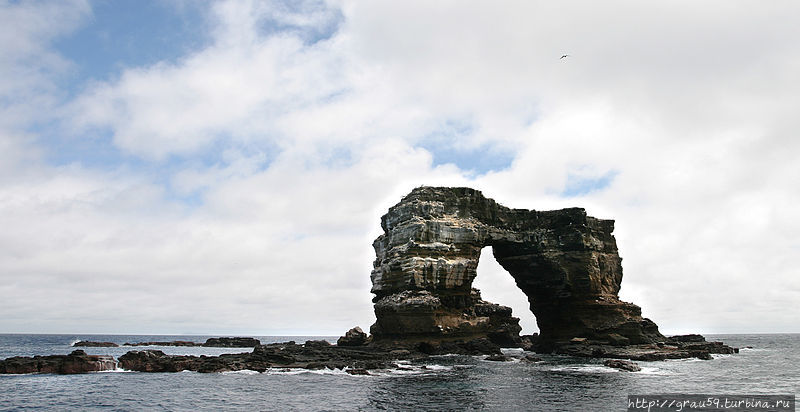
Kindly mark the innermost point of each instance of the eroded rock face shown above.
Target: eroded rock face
(565, 262)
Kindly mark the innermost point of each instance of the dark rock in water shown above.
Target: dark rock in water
(498, 358)
(353, 337)
(210, 342)
(232, 342)
(90, 344)
(263, 357)
(687, 338)
(622, 364)
(357, 371)
(317, 343)
(565, 261)
(157, 343)
(644, 352)
(155, 361)
(480, 346)
(76, 362)
(531, 358)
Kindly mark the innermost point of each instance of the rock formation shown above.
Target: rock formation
(311, 355)
(565, 262)
(622, 365)
(353, 337)
(236, 342)
(91, 344)
(76, 362)
(229, 342)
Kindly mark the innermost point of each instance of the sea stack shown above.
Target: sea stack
(566, 262)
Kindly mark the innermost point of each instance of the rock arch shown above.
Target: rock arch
(565, 262)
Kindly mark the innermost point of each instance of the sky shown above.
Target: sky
(221, 167)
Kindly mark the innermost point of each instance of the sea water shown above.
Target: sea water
(449, 382)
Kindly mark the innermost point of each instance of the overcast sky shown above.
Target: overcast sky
(221, 167)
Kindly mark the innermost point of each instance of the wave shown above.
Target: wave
(585, 369)
(242, 372)
(647, 370)
(298, 371)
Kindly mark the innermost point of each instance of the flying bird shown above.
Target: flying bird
(563, 56)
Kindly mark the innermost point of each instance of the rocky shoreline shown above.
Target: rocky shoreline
(357, 355)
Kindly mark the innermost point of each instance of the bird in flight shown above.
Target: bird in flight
(563, 56)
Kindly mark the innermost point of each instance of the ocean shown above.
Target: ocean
(558, 383)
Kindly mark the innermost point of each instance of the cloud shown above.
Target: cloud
(254, 171)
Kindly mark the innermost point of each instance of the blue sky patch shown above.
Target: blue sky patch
(133, 33)
(579, 185)
(445, 144)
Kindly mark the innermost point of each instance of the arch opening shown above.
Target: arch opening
(498, 286)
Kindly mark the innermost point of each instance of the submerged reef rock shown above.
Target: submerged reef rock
(76, 362)
(565, 262)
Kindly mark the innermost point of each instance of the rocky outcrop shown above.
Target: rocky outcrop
(312, 355)
(694, 347)
(236, 342)
(76, 362)
(622, 365)
(353, 337)
(566, 262)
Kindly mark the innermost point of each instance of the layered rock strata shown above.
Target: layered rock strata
(76, 362)
(566, 262)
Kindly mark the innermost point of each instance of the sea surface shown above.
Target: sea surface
(558, 383)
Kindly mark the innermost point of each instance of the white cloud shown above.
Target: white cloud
(691, 106)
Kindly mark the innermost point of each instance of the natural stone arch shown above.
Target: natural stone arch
(565, 262)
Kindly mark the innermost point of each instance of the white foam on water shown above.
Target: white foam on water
(298, 371)
(720, 355)
(242, 372)
(117, 370)
(585, 369)
(435, 367)
(647, 370)
(688, 360)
